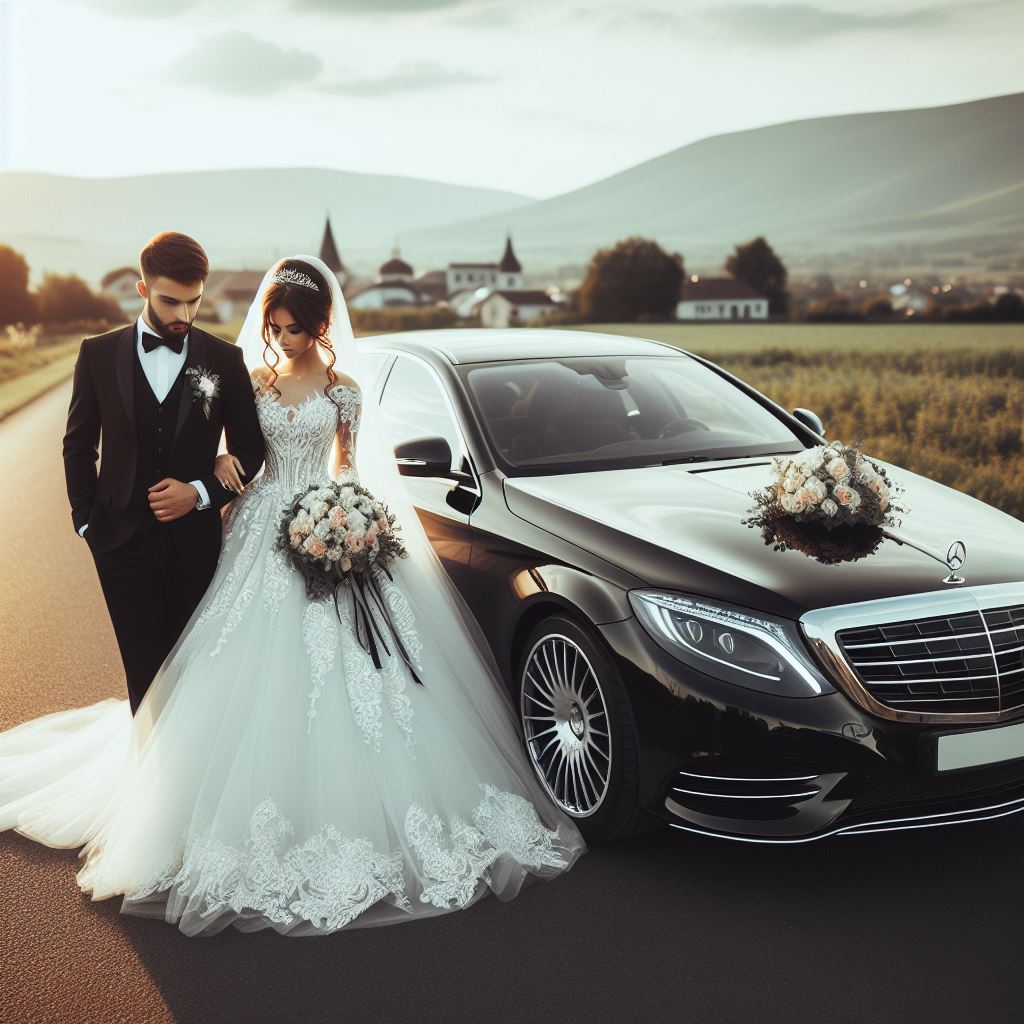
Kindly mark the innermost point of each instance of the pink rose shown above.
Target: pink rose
(316, 547)
(337, 517)
(806, 496)
(345, 563)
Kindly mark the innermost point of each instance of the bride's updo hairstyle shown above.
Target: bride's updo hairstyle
(302, 290)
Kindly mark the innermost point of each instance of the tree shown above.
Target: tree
(62, 299)
(634, 278)
(17, 304)
(878, 306)
(757, 264)
(1008, 306)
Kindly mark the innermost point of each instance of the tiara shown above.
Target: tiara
(287, 275)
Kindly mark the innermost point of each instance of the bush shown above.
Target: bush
(63, 299)
(834, 309)
(402, 318)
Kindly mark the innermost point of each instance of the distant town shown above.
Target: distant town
(494, 294)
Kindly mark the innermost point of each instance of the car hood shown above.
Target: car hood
(678, 527)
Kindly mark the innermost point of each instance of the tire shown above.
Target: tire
(578, 729)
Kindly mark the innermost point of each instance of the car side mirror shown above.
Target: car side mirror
(811, 420)
(424, 456)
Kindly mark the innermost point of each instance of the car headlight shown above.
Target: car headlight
(751, 649)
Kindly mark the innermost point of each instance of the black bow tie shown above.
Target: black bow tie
(151, 341)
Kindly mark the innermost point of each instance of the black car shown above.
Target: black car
(585, 492)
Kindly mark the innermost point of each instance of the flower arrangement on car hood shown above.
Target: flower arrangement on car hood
(833, 484)
(822, 488)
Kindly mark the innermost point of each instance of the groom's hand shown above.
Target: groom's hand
(171, 499)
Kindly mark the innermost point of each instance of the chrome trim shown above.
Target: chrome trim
(932, 639)
(821, 625)
(868, 827)
(740, 778)
(746, 796)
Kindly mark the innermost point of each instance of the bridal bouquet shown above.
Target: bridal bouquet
(339, 535)
(820, 489)
(336, 532)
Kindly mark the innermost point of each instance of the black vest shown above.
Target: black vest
(154, 432)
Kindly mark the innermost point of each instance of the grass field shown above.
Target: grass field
(26, 372)
(942, 400)
(715, 340)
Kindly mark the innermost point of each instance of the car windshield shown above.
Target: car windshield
(620, 409)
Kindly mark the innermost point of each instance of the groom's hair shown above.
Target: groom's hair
(174, 255)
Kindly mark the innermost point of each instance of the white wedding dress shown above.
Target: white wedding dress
(273, 777)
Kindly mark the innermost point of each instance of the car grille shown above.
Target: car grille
(966, 662)
(895, 788)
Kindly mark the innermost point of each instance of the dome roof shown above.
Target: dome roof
(395, 265)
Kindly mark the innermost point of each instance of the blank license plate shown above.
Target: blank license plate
(986, 746)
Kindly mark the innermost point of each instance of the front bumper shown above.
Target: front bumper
(722, 760)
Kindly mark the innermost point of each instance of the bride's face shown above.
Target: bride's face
(288, 334)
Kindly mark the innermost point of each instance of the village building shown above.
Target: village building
(119, 285)
(395, 286)
(468, 277)
(228, 294)
(513, 307)
(720, 298)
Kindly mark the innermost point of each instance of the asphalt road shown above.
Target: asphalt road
(917, 926)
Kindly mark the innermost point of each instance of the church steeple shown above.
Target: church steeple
(509, 264)
(329, 251)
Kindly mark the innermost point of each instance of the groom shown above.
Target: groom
(157, 394)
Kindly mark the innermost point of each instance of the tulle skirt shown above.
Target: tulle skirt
(274, 777)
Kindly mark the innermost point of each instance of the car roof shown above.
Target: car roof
(496, 344)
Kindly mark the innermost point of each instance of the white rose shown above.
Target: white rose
(817, 488)
(829, 507)
(207, 387)
(790, 503)
(838, 469)
(357, 522)
(322, 529)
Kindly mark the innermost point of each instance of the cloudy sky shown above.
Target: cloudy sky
(531, 96)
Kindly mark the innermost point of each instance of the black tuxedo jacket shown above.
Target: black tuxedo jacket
(103, 410)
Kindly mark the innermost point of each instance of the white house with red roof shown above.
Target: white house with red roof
(513, 307)
(720, 298)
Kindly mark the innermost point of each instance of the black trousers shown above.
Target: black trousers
(150, 598)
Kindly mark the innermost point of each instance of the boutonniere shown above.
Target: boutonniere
(205, 386)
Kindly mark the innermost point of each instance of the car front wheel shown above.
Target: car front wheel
(578, 729)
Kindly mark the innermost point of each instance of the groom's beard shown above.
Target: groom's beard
(169, 331)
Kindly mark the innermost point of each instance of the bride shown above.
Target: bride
(274, 776)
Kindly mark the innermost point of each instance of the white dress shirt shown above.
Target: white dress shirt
(161, 367)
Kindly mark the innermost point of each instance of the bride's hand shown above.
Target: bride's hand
(227, 469)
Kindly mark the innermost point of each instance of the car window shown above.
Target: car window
(374, 363)
(549, 412)
(415, 405)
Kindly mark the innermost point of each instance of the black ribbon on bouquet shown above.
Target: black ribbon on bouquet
(367, 629)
